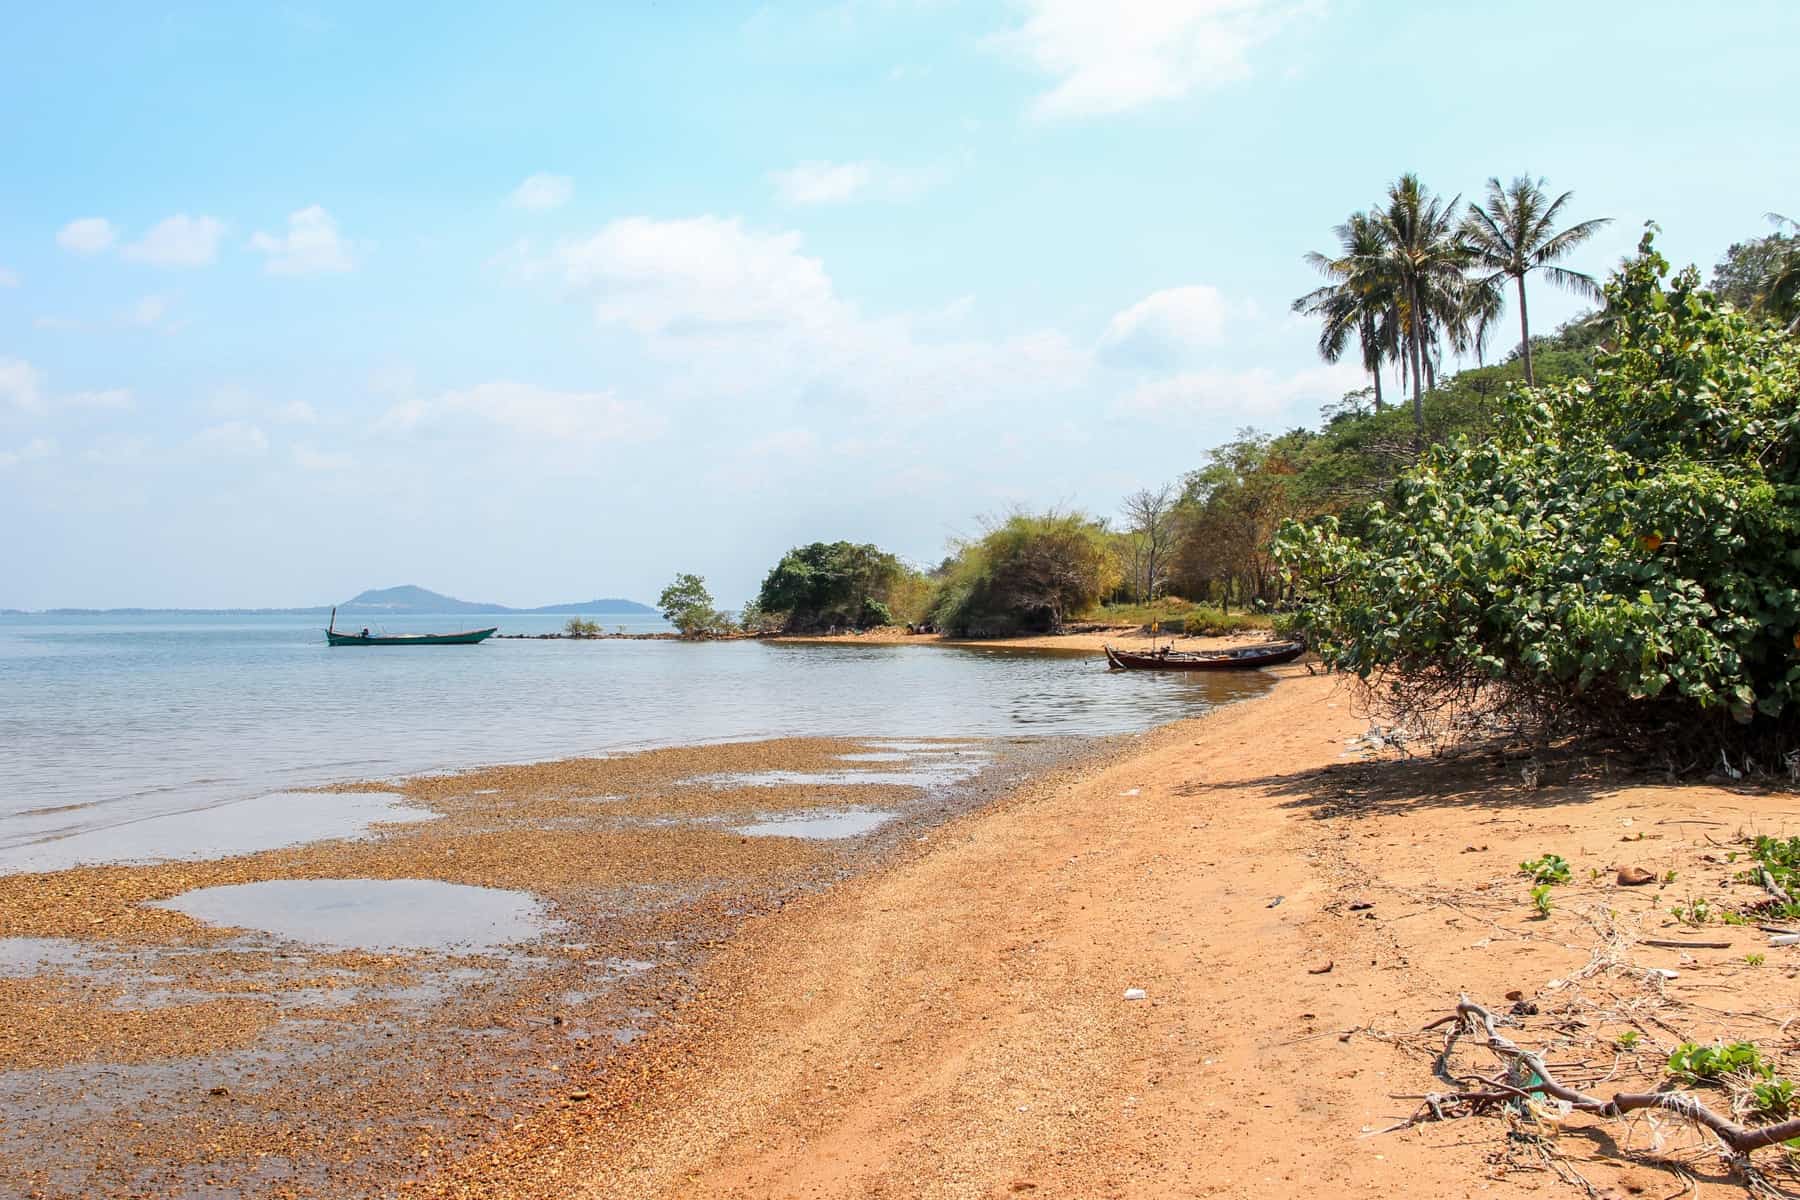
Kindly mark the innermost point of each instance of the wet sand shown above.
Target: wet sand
(540, 922)
(1295, 906)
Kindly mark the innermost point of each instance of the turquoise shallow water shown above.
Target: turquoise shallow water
(106, 722)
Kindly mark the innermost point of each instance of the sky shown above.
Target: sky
(538, 303)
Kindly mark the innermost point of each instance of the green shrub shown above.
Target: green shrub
(1551, 868)
(835, 583)
(1030, 573)
(1695, 1063)
(1621, 553)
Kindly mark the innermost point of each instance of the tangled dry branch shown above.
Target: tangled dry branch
(1471, 1019)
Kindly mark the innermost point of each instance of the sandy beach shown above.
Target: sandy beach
(1295, 909)
(1190, 962)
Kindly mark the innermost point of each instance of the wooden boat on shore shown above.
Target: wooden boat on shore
(467, 637)
(1244, 658)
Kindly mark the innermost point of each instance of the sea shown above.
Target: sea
(140, 738)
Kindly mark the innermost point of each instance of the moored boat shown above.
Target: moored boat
(1243, 658)
(466, 637)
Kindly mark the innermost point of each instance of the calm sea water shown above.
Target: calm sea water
(108, 722)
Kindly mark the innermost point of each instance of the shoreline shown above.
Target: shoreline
(285, 1048)
(1295, 907)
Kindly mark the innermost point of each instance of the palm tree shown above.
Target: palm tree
(1358, 300)
(1781, 286)
(1423, 258)
(1515, 234)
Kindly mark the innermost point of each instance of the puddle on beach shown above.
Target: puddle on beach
(264, 822)
(821, 826)
(25, 956)
(926, 776)
(372, 914)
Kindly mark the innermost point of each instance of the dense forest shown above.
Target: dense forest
(1593, 525)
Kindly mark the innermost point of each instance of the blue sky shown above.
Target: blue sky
(534, 305)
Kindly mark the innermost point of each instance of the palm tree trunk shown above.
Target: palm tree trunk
(1525, 333)
(1418, 370)
(1377, 374)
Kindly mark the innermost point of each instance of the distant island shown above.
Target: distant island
(406, 600)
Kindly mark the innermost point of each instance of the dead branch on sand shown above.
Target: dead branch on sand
(1532, 1077)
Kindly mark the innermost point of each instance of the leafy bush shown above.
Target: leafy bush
(834, 583)
(688, 606)
(1551, 868)
(1695, 1063)
(1621, 553)
(1028, 573)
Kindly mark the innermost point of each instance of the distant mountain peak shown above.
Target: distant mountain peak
(410, 598)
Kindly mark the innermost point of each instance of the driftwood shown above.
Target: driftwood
(1471, 1018)
(1672, 944)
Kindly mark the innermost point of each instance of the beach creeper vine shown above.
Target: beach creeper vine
(1623, 554)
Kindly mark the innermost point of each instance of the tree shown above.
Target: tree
(1423, 258)
(1514, 235)
(1150, 523)
(1780, 296)
(688, 606)
(835, 583)
(1618, 554)
(1360, 298)
(1029, 572)
(1744, 273)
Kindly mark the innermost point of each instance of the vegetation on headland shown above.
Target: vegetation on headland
(1615, 551)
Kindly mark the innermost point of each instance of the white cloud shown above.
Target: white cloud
(690, 276)
(542, 192)
(116, 399)
(821, 182)
(818, 183)
(178, 241)
(1167, 326)
(526, 411)
(88, 235)
(148, 311)
(784, 443)
(309, 459)
(8, 278)
(311, 245)
(232, 439)
(32, 451)
(1108, 58)
(1249, 397)
(295, 412)
(740, 311)
(21, 385)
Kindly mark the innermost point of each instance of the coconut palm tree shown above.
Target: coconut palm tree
(1423, 259)
(1358, 300)
(1781, 286)
(1515, 234)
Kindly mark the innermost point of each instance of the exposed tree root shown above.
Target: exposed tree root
(1531, 1077)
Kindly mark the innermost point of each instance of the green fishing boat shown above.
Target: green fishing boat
(467, 637)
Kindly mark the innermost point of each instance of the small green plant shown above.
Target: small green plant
(1669, 876)
(1540, 900)
(1774, 1098)
(1694, 913)
(1695, 1063)
(1593, 874)
(1755, 960)
(1551, 868)
(1628, 1040)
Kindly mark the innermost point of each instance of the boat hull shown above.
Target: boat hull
(1247, 659)
(467, 637)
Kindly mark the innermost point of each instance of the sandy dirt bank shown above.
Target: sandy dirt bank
(1294, 908)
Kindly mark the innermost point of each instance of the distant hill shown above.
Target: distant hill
(411, 599)
(407, 600)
